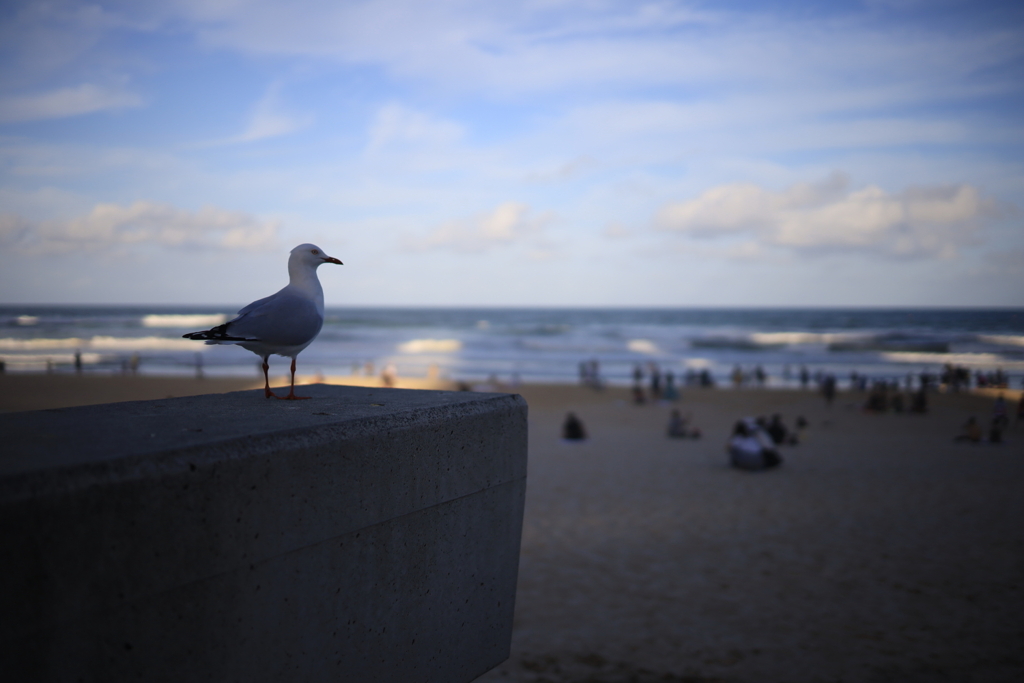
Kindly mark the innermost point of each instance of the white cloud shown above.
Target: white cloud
(918, 222)
(269, 118)
(517, 47)
(64, 102)
(564, 171)
(140, 224)
(509, 223)
(398, 125)
(616, 230)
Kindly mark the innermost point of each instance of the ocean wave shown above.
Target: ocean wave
(896, 346)
(100, 343)
(27, 361)
(143, 344)
(9, 344)
(430, 346)
(731, 343)
(794, 338)
(183, 321)
(643, 346)
(969, 360)
(562, 346)
(27, 320)
(1002, 339)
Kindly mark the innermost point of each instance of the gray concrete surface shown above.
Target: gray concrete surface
(363, 535)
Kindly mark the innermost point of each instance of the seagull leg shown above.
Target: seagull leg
(266, 379)
(291, 394)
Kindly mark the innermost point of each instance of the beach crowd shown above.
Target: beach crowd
(755, 441)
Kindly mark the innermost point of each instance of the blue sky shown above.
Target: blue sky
(542, 152)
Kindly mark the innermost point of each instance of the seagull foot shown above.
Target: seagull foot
(270, 394)
(293, 397)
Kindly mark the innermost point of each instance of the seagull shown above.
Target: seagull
(284, 323)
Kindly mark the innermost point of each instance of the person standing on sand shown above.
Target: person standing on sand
(655, 381)
(1000, 413)
(670, 393)
(828, 389)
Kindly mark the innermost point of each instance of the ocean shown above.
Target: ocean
(531, 344)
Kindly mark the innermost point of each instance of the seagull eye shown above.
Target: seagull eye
(315, 252)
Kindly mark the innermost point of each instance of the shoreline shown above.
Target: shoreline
(43, 391)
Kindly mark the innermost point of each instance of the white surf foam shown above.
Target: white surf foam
(183, 321)
(643, 346)
(970, 360)
(430, 346)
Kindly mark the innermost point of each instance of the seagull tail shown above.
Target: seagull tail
(215, 335)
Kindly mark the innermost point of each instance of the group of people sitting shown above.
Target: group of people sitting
(754, 442)
(679, 427)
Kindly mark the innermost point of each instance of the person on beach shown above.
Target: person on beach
(878, 400)
(780, 435)
(995, 432)
(800, 433)
(572, 428)
(1000, 412)
(749, 452)
(971, 433)
(655, 381)
(670, 393)
(677, 427)
(919, 403)
(828, 389)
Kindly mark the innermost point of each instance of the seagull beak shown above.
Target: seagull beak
(331, 259)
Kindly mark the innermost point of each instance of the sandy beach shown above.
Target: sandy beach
(880, 551)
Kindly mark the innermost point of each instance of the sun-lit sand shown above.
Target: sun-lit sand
(880, 551)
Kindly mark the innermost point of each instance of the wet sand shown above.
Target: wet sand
(880, 551)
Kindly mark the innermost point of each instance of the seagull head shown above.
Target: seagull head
(311, 256)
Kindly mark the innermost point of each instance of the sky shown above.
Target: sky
(514, 153)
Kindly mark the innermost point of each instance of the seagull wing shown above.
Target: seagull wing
(284, 319)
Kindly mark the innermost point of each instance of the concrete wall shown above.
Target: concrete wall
(363, 535)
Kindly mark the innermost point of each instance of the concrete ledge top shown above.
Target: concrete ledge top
(106, 436)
